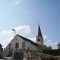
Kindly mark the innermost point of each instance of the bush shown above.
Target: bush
(52, 52)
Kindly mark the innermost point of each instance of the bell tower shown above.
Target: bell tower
(39, 38)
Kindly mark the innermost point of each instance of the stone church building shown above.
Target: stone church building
(20, 42)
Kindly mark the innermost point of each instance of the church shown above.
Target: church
(20, 42)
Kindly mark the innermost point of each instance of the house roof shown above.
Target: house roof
(28, 40)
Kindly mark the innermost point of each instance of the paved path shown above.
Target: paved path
(8, 58)
(3, 59)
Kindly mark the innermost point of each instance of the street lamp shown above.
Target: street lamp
(14, 31)
(13, 48)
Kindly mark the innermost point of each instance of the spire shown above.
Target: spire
(39, 31)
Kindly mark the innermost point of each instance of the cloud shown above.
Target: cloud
(33, 39)
(16, 2)
(56, 43)
(47, 42)
(22, 30)
(6, 32)
(6, 42)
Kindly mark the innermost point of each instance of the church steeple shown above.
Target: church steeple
(39, 38)
(39, 31)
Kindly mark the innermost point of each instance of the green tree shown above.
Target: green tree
(58, 45)
(49, 48)
(39, 48)
(1, 49)
(46, 48)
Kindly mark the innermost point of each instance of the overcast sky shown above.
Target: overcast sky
(24, 15)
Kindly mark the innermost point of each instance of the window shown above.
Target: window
(38, 39)
(16, 39)
(23, 45)
(28, 48)
(17, 45)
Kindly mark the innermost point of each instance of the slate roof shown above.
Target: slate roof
(28, 40)
(39, 31)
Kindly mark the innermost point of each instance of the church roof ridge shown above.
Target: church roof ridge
(27, 40)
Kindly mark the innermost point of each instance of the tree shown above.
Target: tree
(49, 48)
(40, 48)
(1, 49)
(58, 45)
(46, 48)
(9, 51)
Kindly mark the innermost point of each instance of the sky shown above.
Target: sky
(24, 15)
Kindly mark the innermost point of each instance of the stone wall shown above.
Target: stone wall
(33, 55)
(57, 57)
(37, 56)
